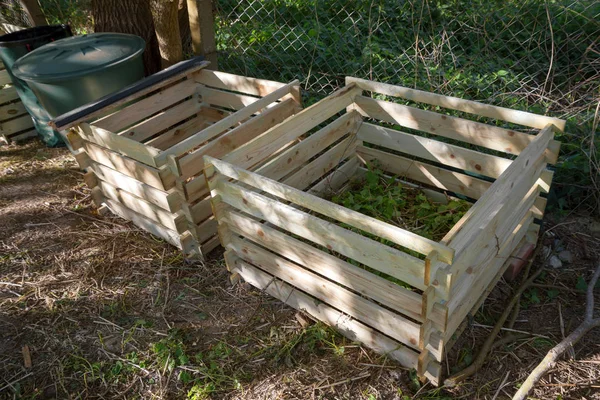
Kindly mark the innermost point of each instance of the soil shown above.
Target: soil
(92, 307)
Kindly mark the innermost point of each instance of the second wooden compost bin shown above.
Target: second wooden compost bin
(15, 122)
(281, 236)
(143, 152)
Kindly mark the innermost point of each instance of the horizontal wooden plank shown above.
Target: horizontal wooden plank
(140, 221)
(193, 163)
(349, 327)
(179, 133)
(455, 103)
(210, 245)
(206, 230)
(139, 94)
(4, 78)
(368, 224)
(119, 144)
(162, 121)
(299, 154)
(18, 137)
(201, 210)
(11, 110)
(16, 125)
(461, 306)
(373, 254)
(335, 180)
(385, 321)
(499, 190)
(364, 282)
(172, 221)
(144, 108)
(170, 201)
(323, 164)
(425, 173)
(226, 123)
(238, 83)
(8, 94)
(488, 136)
(433, 150)
(275, 138)
(161, 179)
(220, 98)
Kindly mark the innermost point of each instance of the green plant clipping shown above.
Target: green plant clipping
(388, 200)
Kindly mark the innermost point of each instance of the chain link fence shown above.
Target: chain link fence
(536, 55)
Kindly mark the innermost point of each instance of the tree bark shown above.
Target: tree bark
(166, 22)
(133, 17)
(184, 28)
(34, 12)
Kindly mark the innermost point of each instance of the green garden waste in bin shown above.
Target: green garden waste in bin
(72, 72)
(17, 44)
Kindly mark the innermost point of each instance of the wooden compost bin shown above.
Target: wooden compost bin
(144, 152)
(279, 235)
(15, 122)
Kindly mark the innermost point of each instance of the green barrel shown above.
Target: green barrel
(78, 70)
(17, 44)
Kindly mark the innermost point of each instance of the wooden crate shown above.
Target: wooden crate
(15, 122)
(144, 152)
(279, 236)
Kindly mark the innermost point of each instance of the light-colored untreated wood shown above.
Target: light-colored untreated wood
(364, 250)
(455, 103)
(278, 233)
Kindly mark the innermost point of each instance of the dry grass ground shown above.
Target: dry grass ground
(91, 307)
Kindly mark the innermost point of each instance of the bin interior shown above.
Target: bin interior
(282, 236)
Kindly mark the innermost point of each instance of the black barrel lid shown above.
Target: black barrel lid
(77, 56)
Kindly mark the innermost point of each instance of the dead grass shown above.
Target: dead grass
(108, 311)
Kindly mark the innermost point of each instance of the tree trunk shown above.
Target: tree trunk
(184, 28)
(34, 12)
(133, 17)
(166, 22)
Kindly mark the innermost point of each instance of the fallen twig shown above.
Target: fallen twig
(487, 346)
(548, 362)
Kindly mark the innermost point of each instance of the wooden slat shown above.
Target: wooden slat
(349, 327)
(193, 163)
(364, 250)
(433, 150)
(275, 138)
(16, 125)
(297, 155)
(4, 78)
(201, 210)
(459, 313)
(336, 179)
(224, 99)
(224, 124)
(169, 220)
(12, 110)
(323, 164)
(161, 179)
(120, 144)
(206, 230)
(210, 245)
(455, 103)
(167, 200)
(148, 106)
(331, 267)
(501, 187)
(391, 324)
(16, 138)
(238, 83)
(162, 121)
(368, 224)
(179, 133)
(425, 173)
(139, 94)
(146, 224)
(488, 136)
(8, 94)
